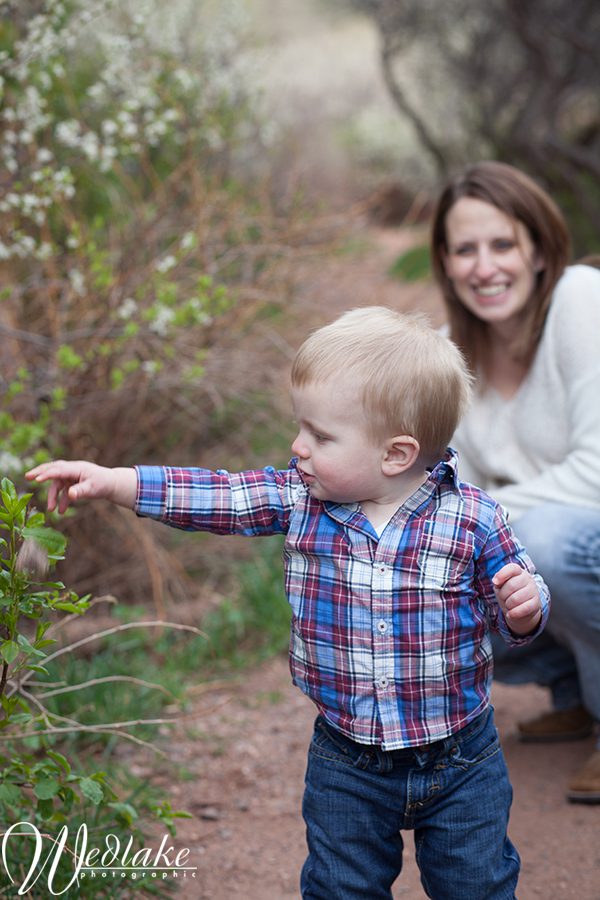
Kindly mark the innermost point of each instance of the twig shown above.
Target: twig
(117, 628)
(124, 627)
(94, 681)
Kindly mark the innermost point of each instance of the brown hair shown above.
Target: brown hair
(520, 198)
(410, 378)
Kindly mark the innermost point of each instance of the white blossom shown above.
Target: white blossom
(77, 281)
(188, 241)
(128, 308)
(45, 251)
(166, 264)
(160, 324)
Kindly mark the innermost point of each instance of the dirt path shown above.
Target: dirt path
(247, 760)
(244, 751)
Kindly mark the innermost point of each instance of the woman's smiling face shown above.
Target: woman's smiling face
(491, 261)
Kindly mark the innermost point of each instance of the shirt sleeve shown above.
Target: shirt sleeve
(251, 503)
(499, 548)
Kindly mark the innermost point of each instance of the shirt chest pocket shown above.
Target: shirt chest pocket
(445, 557)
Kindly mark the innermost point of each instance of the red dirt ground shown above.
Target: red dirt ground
(247, 762)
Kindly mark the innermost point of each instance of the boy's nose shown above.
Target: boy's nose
(299, 448)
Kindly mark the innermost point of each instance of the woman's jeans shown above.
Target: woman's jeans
(455, 795)
(564, 544)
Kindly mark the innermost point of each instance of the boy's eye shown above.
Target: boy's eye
(320, 438)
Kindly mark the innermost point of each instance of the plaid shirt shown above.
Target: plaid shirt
(389, 634)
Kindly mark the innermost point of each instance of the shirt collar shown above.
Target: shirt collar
(446, 469)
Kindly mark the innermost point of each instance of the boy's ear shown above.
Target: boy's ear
(400, 453)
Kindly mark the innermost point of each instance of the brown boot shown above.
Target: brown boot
(585, 786)
(558, 725)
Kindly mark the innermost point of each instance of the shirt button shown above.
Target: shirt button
(383, 682)
(382, 626)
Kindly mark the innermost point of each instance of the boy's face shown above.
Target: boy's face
(337, 459)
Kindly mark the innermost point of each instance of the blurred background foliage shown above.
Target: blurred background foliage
(166, 171)
(138, 247)
(169, 176)
(514, 80)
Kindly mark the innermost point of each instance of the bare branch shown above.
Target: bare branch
(105, 680)
(404, 106)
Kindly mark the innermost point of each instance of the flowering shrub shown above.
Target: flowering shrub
(129, 246)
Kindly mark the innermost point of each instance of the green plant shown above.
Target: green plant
(40, 788)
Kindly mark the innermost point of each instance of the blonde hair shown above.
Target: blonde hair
(412, 380)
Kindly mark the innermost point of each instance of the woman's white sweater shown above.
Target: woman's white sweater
(543, 444)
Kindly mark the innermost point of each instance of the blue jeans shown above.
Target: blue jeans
(564, 544)
(455, 795)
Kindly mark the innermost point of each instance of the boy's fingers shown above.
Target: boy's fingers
(522, 610)
(518, 597)
(506, 572)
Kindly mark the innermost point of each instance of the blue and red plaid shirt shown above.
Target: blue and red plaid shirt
(390, 634)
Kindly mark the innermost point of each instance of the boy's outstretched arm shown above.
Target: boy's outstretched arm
(81, 480)
(518, 595)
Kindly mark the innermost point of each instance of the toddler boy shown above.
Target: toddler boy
(395, 571)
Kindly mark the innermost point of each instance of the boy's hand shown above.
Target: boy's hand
(80, 480)
(519, 598)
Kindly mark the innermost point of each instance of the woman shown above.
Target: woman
(529, 325)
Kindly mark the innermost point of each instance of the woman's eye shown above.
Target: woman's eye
(463, 250)
(504, 245)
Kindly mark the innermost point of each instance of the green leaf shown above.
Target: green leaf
(46, 788)
(21, 504)
(8, 705)
(125, 812)
(27, 647)
(40, 631)
(92, 790)
(48, 538)
(35, 519)
(10, 794)
(60, 760)
(68, 607)
(45, 808)
(47, 642)
(9, 650)
(8, 490)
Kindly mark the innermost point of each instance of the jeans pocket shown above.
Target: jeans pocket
(476, 745)
(326, 744)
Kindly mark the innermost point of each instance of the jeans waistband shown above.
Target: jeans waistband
(403, 753)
